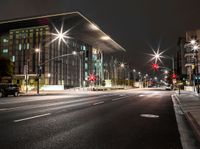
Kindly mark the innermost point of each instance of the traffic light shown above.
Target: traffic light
(155, 66)
(92, 77)
(174, 76)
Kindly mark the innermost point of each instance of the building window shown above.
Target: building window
(5, 40)
(84, 48)
(28, 46)
(13, 58)
(5, 50)
(31, 34)
(86, 66)
(20, 46)
(86, 75)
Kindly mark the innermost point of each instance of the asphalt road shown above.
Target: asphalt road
(131, 119)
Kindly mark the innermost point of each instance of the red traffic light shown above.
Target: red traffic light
(174, 76)
(92, 77)
(155, 66)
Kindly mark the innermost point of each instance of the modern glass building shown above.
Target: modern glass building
(49, 41)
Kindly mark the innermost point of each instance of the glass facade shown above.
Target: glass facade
(19, 45)
(19, 40)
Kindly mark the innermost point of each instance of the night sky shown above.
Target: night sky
(134, 24)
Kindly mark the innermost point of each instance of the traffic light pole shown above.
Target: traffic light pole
(197, 72)
(38, 74)
(39, 67)
(38, 81)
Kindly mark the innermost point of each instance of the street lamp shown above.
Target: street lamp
(157, 55)
(122, 66)
(166, 71)
(48, 75)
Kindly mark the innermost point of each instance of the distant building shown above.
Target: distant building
(186, 58)
(180, 59)
(19, 38)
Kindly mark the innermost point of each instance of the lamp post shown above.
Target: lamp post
(195, 49)
(134, 71)
(140, 79)
(37, 50)
(80, 66)
(146, 80)
(122, 66)
(41, 64)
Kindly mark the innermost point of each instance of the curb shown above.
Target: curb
(191, 120)
(193, 124)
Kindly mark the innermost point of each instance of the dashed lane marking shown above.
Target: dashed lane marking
(149, 115)
(98, 103)
(33, 117)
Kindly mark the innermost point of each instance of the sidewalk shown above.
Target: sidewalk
(62, 92)
(73, 91)
(190, 105)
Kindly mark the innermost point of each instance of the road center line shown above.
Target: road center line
(33, 117)
(97, 103)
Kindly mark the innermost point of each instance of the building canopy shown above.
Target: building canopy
(77, 26)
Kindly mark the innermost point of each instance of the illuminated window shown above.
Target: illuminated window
(28, 46)
(13, 58)
(86, 75)
(86, 66)
(5, 50)
(20, 46)
(5, 40)
(84, 48)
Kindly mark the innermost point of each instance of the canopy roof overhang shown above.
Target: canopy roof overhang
(81, 28)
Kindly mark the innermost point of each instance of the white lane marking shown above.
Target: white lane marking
(97, 103)
(117, 99)
(33, 117)
(141, 95)
(120, 98)
(149, 115)
(47, 105)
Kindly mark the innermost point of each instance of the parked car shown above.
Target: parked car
(168, 87)
(9, 89)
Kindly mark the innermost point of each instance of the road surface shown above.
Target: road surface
(140, 119)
